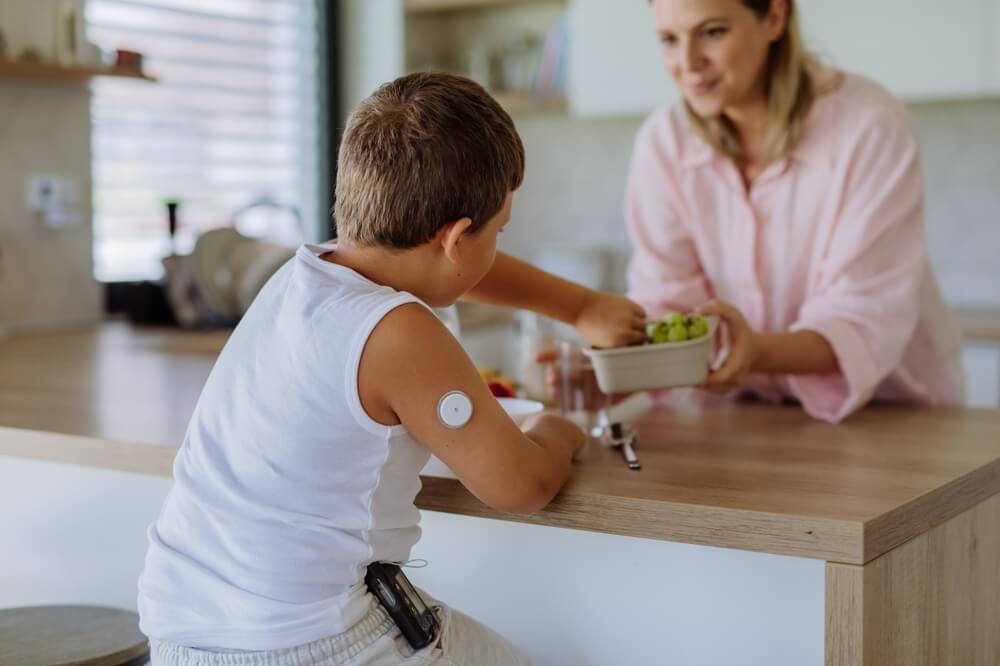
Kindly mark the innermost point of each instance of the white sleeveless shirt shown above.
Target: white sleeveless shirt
(284, 488)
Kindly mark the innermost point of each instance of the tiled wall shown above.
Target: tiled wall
(961, 150)
(46, 275)
(572, 194)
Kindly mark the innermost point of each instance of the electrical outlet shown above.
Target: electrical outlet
(42, 193)
(54, 199)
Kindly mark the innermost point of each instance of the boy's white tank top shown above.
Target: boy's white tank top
(284, 488)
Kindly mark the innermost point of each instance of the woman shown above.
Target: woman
(787, 198)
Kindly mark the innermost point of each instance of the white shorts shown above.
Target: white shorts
(373, 641)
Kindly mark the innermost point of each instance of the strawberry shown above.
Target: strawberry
(500, 389)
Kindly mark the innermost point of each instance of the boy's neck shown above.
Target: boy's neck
(403, 270)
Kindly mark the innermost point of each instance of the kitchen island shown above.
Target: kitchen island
(888, 525)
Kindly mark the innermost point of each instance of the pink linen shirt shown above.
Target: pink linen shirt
(828, 239)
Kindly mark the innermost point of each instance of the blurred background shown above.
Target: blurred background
(160, 158)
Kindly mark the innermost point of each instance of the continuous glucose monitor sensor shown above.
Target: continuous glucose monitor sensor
(454, 409)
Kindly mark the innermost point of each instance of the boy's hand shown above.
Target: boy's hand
(561, 428)
(610, 320)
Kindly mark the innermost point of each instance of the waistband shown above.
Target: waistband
(339, 649)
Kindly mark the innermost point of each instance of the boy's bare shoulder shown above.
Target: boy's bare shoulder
(409, 356)
(414, 317)
(409, 333)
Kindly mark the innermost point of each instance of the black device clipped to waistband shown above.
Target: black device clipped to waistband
(417, 622)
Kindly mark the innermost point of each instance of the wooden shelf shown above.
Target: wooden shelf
(526, 102)
(420, 6)
(44, 71)
(439, 34)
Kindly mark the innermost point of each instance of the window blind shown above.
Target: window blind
(232, 119)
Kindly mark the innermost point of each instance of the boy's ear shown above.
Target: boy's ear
(450, 237)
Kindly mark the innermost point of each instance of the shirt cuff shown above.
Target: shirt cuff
(834, 396)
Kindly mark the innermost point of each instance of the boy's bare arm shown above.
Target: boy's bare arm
(410, 362)
(605, 320)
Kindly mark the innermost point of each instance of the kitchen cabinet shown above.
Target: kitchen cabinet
(516, 49)
(993, 43)
(918, 49)
(615, 65)
(982, 375)
(498, 43)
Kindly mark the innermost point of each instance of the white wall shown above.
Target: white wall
(76, 535)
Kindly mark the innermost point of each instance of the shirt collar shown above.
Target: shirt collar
(697, 152)
(808, 151)
(811, 152)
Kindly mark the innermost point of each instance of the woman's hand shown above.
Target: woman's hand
(610, 320)
(742, 348)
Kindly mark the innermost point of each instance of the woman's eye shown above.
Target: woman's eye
(668, 40)
(713, 33)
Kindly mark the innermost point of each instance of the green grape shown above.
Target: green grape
(677, 334)
(675, 319)
(660, 334)
(698, 327)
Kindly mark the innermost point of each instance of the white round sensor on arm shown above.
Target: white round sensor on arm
(454, 409)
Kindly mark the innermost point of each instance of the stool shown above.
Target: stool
(71, 635)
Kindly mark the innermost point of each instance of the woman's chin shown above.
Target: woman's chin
(705, 107)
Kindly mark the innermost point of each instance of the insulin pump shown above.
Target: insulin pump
(417, 622)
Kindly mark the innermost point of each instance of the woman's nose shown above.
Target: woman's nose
(692, 59)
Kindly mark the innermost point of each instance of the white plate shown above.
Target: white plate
(520, 409)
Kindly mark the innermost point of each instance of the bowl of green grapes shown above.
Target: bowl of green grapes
(677, 352)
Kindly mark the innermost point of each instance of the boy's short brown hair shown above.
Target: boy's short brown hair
(420, 152)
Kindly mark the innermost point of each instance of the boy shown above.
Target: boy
(302, 460)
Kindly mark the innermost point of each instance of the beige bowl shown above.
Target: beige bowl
(653, 366)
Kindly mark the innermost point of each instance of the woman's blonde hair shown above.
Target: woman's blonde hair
(789, 90)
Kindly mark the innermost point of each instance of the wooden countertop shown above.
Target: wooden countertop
(736, 475)
(769, 478)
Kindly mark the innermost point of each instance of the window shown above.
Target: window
(233, 119)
